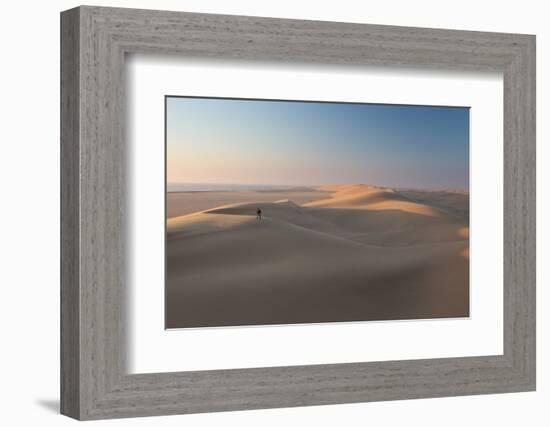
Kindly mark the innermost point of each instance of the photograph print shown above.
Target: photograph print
(294, 212)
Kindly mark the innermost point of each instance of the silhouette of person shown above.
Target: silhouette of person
(259, 214)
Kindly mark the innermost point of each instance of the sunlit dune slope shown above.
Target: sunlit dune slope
(372, 198)
(364, 253)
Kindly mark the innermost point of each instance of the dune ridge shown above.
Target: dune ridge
(359, 253)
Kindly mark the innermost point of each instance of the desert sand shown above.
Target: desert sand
(326, 254)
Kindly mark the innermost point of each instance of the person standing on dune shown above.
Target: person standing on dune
(259, 214)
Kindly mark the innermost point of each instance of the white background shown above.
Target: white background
(29, 218)
(152, 349)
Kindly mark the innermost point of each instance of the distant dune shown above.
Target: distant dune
(334, 253)
(183, 203)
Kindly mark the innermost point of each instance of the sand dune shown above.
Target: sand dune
(183, 203)
(373, 198)
(358, 253)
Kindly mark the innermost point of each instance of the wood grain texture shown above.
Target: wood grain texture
(95, 383)
(70, 333)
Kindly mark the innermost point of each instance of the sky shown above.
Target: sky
(229, 141)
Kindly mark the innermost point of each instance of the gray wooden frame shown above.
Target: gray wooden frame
(94, 382)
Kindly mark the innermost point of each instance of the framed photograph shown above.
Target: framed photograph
(284, 229)
(263, 213)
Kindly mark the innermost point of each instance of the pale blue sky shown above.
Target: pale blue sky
(224, 141)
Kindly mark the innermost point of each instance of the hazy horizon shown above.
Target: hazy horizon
(171, 186)
(230, 142)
